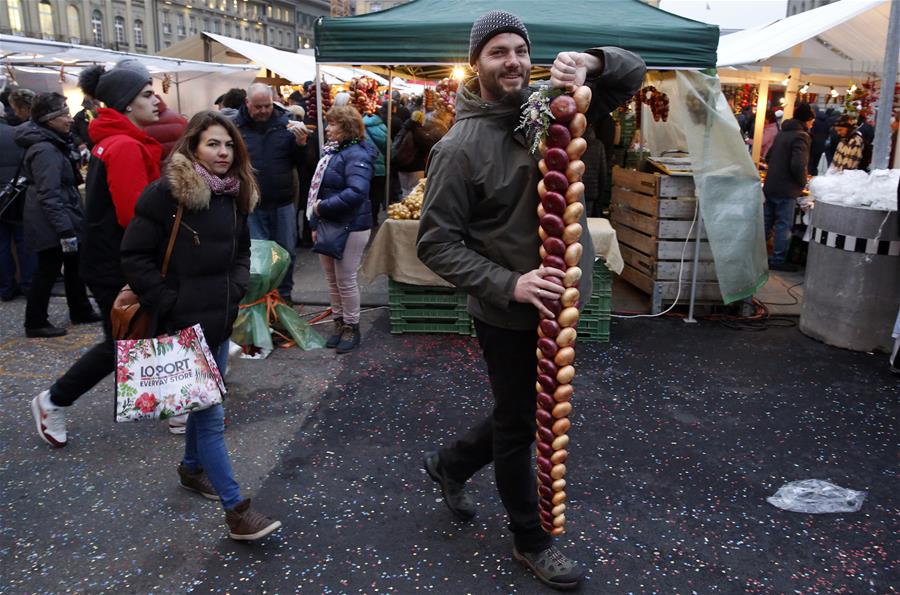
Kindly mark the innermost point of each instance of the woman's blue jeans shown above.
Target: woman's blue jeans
(204, 444)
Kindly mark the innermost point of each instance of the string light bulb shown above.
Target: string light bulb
(786, 80)
(852, 88)
(834, 92)
(805, 88)
(458, 73)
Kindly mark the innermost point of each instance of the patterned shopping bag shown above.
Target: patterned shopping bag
(166, 376)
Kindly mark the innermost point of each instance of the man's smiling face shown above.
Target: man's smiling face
(503, 66)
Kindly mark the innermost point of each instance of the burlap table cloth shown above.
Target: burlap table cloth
(393, 252)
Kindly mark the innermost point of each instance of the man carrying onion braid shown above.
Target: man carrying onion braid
(479, 231)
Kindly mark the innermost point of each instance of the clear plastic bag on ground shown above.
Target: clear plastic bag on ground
(817, 497)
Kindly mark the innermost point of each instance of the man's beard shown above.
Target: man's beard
(506, 96)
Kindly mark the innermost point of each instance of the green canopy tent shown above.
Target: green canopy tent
(436, 32)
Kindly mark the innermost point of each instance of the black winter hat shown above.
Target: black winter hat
(490, 25)
(116, 87)
(47, 106)
(804, 113)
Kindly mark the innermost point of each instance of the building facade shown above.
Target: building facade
(798, 6)
(146, 26)
(124, 25)
(367, 6)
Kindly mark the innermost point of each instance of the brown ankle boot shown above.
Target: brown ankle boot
(245, 524)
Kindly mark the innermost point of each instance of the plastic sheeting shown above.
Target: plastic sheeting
(727, 183)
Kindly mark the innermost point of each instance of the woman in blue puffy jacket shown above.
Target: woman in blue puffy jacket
(339, 197)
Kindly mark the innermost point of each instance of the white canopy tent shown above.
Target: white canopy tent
(295, 67)
(53, 66)
(827, 47)
(843, 38)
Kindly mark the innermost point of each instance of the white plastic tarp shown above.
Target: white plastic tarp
(295, 67)
(844, 37)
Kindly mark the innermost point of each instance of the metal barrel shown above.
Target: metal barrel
(852, 287)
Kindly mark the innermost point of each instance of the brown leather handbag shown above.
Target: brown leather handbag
(127, 319)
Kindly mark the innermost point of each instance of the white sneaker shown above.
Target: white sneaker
(50, 420)
(178, 424)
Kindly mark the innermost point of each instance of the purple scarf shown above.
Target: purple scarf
(227, 185)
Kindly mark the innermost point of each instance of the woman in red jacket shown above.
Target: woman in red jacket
(124, 161)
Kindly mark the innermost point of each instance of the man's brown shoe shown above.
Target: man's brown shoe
(245, 524)
(197, 482)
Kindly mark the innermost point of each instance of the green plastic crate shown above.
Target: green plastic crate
(427, 309)
(593, 330)
(458, 328)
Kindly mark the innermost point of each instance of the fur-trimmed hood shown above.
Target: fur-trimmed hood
(192, 191)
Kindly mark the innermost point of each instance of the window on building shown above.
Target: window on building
(206, 25)
(97, 27)
(139, 33)
(166, 24)
(217, 26)
(45, 16)
(14, 9)
(180, 23)
(228, 28)
(193, 22)
(119, 26)
(73, 20)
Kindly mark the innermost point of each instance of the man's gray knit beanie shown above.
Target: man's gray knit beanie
(491, 24)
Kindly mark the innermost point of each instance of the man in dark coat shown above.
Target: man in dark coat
(276, 151)
(479, 232)
(821, 128)
(788, 161)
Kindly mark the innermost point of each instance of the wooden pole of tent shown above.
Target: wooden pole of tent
(761, 103)
(387, 150)
(790, 94)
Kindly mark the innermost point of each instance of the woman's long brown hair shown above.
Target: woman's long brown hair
(240, 168)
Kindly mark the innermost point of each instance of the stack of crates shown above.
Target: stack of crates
(427, 309)
(593, 325)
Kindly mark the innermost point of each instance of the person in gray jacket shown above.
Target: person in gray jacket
(478, 231)
(52, 213)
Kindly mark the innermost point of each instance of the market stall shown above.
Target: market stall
(185, 85)
(428, 38)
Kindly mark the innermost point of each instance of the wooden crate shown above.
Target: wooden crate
(652, 216)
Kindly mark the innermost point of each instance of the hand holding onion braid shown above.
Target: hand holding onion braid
(555, 292)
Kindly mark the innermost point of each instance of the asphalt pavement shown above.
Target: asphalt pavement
(679, 434)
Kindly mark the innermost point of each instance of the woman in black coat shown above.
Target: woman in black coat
(52, 216)
(209, 176)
